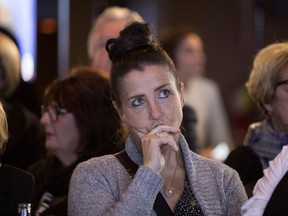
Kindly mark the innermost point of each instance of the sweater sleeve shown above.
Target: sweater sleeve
(92, 192)
(266, 185)
(235, 194)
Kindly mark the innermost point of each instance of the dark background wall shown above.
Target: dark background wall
(232, 30)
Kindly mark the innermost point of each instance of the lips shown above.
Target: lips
(157, 126)
(48, 134)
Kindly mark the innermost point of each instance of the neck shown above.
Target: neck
(66, 159)
(173, 174)
(278, 125)
(172, 161)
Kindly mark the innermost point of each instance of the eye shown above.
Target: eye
(164, 93)
(60, 111)
(137, 102)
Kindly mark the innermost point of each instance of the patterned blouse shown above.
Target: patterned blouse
(187, 204)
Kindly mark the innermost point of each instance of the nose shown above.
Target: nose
(45, 119)
(155, 111)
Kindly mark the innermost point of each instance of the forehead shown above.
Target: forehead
(110, 29)
(192, 40)
(151, 77)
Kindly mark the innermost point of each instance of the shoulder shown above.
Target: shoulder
(41, 165)
(255, 130)
(258, 125)
(272, 184)
(16, 186)
(97, 162)
(223, 181)
(279, 165)
(97, 165)
(216, 167)
(19, 181)
(12, 172)
(97, 172)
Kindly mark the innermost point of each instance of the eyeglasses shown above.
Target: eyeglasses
(53, 111)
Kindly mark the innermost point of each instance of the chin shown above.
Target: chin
(50, 146)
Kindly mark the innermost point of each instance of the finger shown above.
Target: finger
(169, 140)
(164, 128)
(139, 132)
(164, 139)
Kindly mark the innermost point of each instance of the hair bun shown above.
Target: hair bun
(136, 36)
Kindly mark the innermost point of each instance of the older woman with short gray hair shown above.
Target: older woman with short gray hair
(268, 87)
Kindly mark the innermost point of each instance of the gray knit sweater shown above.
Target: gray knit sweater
(101, 186)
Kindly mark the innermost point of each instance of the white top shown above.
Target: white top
(212, 125)
(265, 186)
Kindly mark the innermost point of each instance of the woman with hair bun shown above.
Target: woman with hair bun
(156, 174)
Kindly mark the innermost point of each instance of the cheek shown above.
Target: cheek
(280, 105)
(69, 139)
(136, 119)
(175, 113)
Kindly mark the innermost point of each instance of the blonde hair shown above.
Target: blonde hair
(3, 128)
(111, 14)
(9, 66)
(266, 73)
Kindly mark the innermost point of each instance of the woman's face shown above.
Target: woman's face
(106, 30)
(62, 135)
(279, 105)
(190, 58)
(150, 98)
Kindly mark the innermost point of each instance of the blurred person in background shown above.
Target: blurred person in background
(80, 122)
(268, 87)
(107, 25)
(24, 93)
(270, 192)
(16, 185)
(26, 135)
(185, 47)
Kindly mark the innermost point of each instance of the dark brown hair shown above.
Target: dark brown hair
(172, 37)
(86, 94)
(134, 49)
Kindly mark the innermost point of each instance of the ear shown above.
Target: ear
(118, 109)
(181, 92)
(268, 107)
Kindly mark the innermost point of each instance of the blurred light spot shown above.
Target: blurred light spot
(48, 26)
(27, 67)
(220, 152)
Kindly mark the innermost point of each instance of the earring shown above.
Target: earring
(183, 102)
(269, 111)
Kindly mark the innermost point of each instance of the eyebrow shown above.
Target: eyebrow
(282, 82)
(155, 90)
(162, 86)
